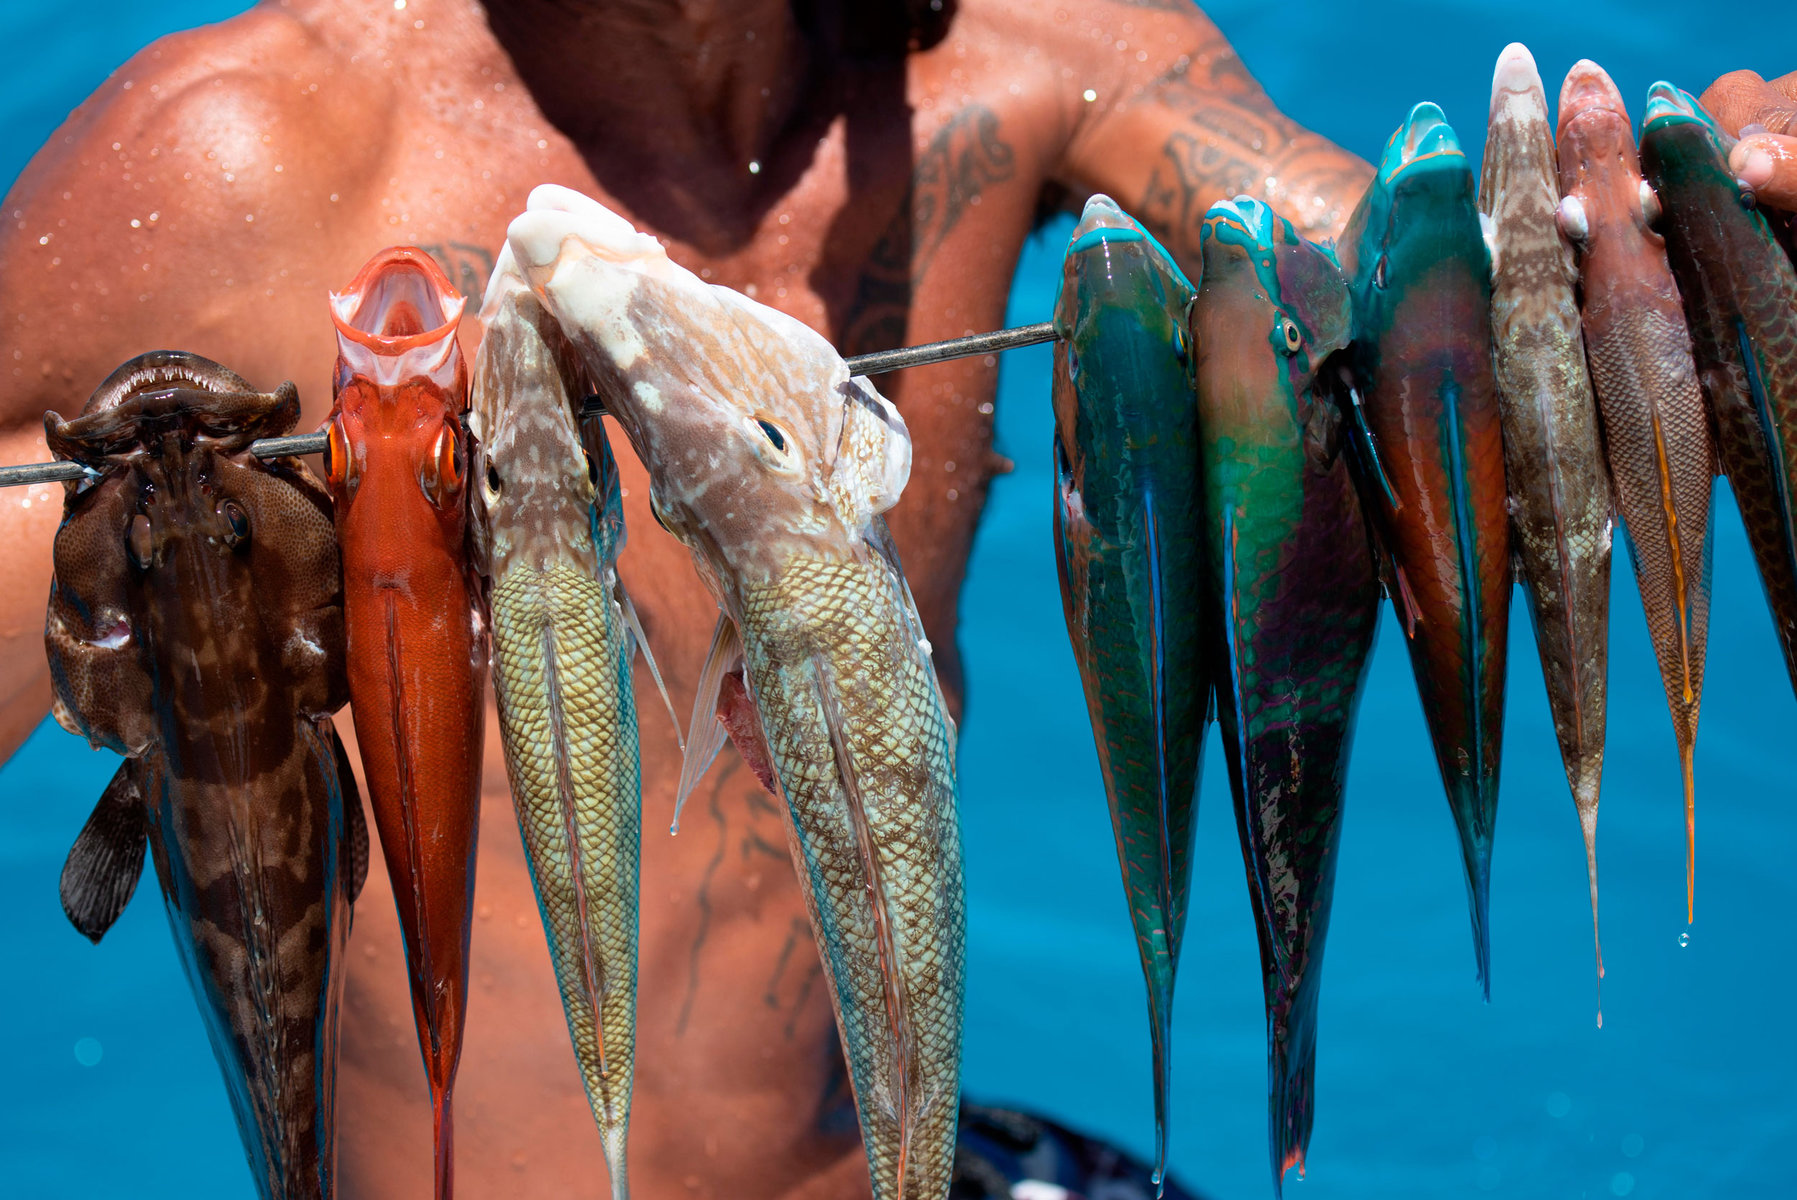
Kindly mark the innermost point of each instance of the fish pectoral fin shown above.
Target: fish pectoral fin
(355, 822)
(108, 854)
(705, 731)
(639, 642)
(1375, 484)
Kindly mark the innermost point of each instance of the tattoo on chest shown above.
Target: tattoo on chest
(468, 267)
(967, 156)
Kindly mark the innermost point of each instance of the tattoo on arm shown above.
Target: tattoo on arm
(965, 157)
(1232, 140)
(468, 266)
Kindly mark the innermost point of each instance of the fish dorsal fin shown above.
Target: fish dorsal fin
(639, 641)
(108, 855)
(705, 734)
(355, 822)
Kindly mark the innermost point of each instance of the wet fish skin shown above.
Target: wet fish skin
(1553, 454)
(1128, 548)
(551, 512)
(195, 625)
(1296, 598)
(1421, 280)
(1656, 429)
(773, 467)
(1740, 299)
(397, 462)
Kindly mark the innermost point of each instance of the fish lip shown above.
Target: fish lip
(1588, 88)
(1515, 73)
(363, 312)
(1252, 217)
(1425, 138)
(1668, 104)
(1102, 212)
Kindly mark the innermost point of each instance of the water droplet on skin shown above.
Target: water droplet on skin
(1684, 939)
(88, 1052)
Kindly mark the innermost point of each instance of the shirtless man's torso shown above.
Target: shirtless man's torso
(211, 192)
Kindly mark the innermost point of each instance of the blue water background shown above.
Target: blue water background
(1422, 1091)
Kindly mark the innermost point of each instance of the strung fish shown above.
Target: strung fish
(196, 627)
(1297, 597)
(1421, 279)
(397, 464)
(1740, 293)
(549, 503)
(1656, 432)
(1127, 542)
(1553, 456)
(773, 466)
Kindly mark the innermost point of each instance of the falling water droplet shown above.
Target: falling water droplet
(1684, 939)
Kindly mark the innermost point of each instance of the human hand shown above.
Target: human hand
(1764, 115)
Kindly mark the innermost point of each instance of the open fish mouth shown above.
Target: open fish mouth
(398, 318)
(1424, 137)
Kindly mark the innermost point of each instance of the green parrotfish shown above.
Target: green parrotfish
(1127, 530)
(1295, 594)
(1431, 461)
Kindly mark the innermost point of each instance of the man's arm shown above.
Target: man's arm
(164, 214)
(1186, 126)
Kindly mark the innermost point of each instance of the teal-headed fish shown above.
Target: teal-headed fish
(1740, 293)
(1127, 542)
(1432, 460)
(1294, 585)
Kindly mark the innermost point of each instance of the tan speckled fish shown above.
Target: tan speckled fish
(1553, 458)
(550, 516)
(773, 466)
(1656, 428)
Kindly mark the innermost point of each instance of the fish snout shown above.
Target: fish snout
(1667, 102)
(1588, 88)
(1515, 74)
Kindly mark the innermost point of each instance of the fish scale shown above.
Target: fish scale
(1559, 487)
(563, 684)
(1656, 430)
(833, 617)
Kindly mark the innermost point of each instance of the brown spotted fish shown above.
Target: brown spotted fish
(773, 466)
(196, 627)
(1553, 457)
(1656, 429)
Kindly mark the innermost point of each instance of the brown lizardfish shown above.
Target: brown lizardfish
(1656, 431)
(196, 627)
(1553, 456)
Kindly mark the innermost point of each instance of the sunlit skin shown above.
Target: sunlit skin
(219, 183)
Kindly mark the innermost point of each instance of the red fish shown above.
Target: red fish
(397, 465)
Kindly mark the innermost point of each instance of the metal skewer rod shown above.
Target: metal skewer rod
(864, 364)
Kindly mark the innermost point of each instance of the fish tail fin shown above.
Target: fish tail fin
(614, 1139)
(1475, 850)
(1686, 752)
(443, 1138)
(1291, 1068)
(1160, 1018)
(1587, 802)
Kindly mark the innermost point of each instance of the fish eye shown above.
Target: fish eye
(237, 519)
(139, 543)
(337, 459)
(773, 434)
(1379, 273)
(592, 468)
(1293, 339)
(440, 474)
(493, 488)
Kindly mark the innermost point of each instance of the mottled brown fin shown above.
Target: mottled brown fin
(354, 820)
(108, 855)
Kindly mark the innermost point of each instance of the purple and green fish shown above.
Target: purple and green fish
(1431, 461)
(1293, 581)
(1128, 542)
(1740, 294)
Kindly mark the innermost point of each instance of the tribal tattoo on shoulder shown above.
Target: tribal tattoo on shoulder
(963, 159)
(468, 266)
(1232, 140)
